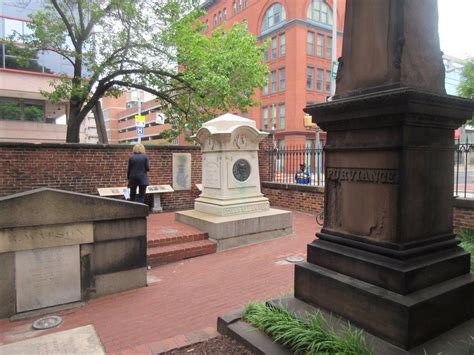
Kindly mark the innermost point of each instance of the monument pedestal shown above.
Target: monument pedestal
(231, 207)
(386, 258)
(237, 230)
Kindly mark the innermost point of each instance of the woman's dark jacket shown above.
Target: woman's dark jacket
(138, 165)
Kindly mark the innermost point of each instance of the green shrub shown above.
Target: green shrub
(467, 242)
(312, 336)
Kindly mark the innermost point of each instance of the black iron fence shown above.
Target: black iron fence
(285, 165)
(464, 170)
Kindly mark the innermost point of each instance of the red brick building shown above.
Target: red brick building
(299, 57)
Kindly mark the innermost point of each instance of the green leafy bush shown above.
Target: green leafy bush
(467, 242)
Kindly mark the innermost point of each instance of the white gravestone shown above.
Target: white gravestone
(181, 171)
(47, 277)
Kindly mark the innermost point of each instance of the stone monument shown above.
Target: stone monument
(387, 258)
(231, 207)
(59, 247)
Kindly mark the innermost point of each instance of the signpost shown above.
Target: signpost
(140, 124)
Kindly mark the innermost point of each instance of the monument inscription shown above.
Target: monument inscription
(24, 238)
(47, 277)
(211, 176)
(380, 176)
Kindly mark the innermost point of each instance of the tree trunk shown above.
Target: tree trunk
(73, 125)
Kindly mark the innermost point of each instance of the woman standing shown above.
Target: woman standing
(138, 166)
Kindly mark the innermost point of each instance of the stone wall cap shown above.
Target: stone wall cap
(46, 206)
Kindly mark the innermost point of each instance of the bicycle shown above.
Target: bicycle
(320, 218)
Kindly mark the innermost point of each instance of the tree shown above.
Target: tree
(466, 86)
(117, 44)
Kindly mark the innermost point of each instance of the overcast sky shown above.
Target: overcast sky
(456, 27)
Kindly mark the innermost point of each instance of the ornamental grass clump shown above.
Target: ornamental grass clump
(311, 336)
(467, 242)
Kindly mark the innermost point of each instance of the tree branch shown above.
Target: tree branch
(66, 22)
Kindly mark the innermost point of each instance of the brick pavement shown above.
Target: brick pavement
(186, 297)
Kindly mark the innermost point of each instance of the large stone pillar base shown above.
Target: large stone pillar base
(404, 320)
(238, 230)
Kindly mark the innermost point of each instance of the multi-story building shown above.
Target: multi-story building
(299, 58)
(25, 115)
(119, 117)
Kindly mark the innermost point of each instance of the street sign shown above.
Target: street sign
(334, 68)
(140, 131)
(160, 118)
(139, 121)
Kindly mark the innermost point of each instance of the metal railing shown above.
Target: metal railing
(284, 164)
(464, 170)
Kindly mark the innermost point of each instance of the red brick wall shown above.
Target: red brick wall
(463, 214)
(309, 199)
(83, 168)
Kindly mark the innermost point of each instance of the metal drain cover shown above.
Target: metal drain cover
(294, 259)
(47, 322)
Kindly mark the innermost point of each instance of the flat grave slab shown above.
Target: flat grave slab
(82, 340)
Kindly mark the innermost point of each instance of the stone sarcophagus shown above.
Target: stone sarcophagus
(59, 247)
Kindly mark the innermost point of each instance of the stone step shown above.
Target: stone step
(175, 252)
(162, 240)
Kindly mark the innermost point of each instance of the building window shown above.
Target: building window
(234, 8)
(320, 46)
(239, 5)
(328, 81)
(265, 54)
(273, 17)
(224, 14)
(265, 117)
(310, 78)
(319, 80)
(310, 43)
(282, 79)
(320, 11)
(215, 20)
(273, 113)
(282, 45)
(219, 17)
(273, 83)
(329, 47)
(246, 3)
(12, 109)
(274, 47)
(265, 86)
(282, 116)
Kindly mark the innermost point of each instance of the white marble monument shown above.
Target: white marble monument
(231, 207)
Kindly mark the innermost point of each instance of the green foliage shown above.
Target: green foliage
(312, 336)
(467, 242)
(466, 87)
(153, 45)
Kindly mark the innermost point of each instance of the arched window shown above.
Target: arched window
(274, 16)
(320, 11)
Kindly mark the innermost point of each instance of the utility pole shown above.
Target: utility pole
(334, 48)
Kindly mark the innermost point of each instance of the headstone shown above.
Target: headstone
(387, 258)
(82, 340)
(181, 171)
(59, 247)
(231, 207)
(47, 277)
